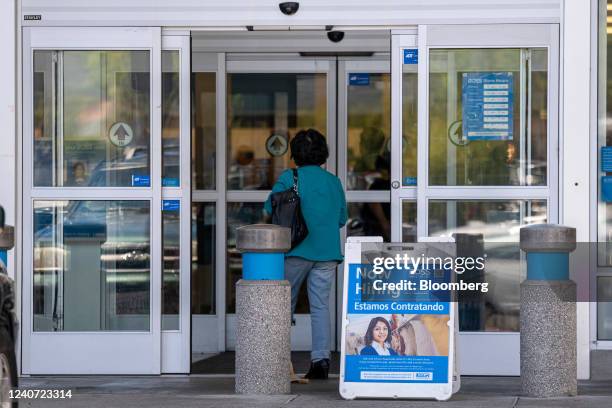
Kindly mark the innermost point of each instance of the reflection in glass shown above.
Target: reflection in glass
(499, 223)
(518, 154)
(238, 214)
(264, 111)
(604, 309)
(91, 265)
(203, 247)
(409, 125)
(409, 221)
(171, 129)
(204, 130)
(92, 118)
(171, 239)
(368, 132)
(370, 220)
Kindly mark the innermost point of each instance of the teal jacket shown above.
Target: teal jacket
(324, 209)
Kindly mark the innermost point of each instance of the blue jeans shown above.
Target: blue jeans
(320, 277)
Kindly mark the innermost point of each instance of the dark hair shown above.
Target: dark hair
(369, 336)
(308, 147)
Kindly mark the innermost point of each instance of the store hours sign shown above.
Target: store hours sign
(487, 99)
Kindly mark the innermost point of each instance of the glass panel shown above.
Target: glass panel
(409, 221)
(368, 131)
(92, 118)
(369, 219)
(171, 125)
(204, 130)
(477, 132)
(498, 221)
(604, 309)
(238, 214)
(91, 265)
(203, 258)
(171, 283)
(409, 125)
(264, 111)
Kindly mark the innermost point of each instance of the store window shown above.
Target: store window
(204, 130)
(91, 119)
(264, 111)
(499, 222)
(368, 132)
(171, 129)
(91, 265)
(506, 143)
(204, 190)
(203, 258)
(171, 270)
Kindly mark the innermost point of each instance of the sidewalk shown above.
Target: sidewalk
(218, 392)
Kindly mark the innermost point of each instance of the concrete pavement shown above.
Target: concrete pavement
(218, 392)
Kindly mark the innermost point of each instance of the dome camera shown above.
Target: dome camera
(289, 8)
(335, 36)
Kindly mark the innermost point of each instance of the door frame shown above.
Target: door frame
(472, 36)
(379, 63)
(176, 344)
(275, 63)
(103, 352)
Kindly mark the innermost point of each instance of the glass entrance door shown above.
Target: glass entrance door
(92, 264)
(475, 116)
(269, 99)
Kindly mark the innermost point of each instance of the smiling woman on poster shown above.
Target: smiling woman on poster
(377, 339)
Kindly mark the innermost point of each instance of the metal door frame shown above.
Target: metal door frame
(376, 64)
(273, 63)
(472, 36)
(176, 344)
(99, 352)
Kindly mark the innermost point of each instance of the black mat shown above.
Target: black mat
(223, 363)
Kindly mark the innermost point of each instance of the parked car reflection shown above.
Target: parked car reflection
(78, 238)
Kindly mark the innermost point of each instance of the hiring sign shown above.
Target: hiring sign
(398, 321)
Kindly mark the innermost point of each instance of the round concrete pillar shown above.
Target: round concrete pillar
(263, 311)
(548, 312)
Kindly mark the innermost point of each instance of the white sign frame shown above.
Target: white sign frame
(353, 390)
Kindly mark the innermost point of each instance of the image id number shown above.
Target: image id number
(40, 394)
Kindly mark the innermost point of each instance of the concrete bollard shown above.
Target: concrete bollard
(548, 312)
(263, 311)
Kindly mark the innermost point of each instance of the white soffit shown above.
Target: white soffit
(239, 13)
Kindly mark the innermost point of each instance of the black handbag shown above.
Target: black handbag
(287, 212)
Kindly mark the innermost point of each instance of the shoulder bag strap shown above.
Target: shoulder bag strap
(295, 181)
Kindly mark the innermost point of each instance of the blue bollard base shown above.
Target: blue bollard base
(263, 266)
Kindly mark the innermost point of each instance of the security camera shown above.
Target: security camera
(335, 36)
(289, 8)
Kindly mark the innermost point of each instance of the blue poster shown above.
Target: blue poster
(411, 56)
(606, 189)
(397, 329)
(141, 180)
(606, 159)
(171, 205)
(170, 182)
(359, 79)
(487, 99)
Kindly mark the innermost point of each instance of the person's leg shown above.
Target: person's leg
(320, 281)
(296, 270)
